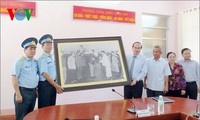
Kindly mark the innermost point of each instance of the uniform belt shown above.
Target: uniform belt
(190, 82)
(28, 89)
(46, 80)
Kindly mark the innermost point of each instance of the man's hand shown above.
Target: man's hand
(145, 85)
(198, 89)
(19, 98)
(59, 89)
(145, 82)
(183, 92)
(133, 82)
(165, 90)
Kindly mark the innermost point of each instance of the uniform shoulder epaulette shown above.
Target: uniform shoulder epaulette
(43, 55)
(22, 58)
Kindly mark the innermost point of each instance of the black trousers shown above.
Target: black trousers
(174, 93)
(191, 90)
(152, 93)
(28, 102)
(134, 91)
(46, 94)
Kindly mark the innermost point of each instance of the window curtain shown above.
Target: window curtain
(188, 32)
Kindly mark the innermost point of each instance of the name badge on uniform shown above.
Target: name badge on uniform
(27, 68)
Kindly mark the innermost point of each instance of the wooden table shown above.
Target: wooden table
(115, 110)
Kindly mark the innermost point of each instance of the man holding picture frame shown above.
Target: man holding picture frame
(47, 86)
(137, 71)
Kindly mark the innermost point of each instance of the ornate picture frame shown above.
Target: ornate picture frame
(88, 63)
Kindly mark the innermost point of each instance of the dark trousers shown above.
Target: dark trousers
(46, 94)
(174, 93)
(191, 90)
(152, 93)
(28, 102)
(134, 91)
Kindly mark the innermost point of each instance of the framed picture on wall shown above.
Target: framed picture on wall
(88, 63)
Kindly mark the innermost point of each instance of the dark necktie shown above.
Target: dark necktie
(131, 67)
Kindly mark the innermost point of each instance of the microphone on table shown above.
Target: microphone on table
(131, 110)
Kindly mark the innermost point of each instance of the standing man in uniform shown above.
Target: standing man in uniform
(137, 72)
(191, 70)
(24, 78)
(47, 86)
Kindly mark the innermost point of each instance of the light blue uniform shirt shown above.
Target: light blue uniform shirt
(46, 64)
(191, 70)
(25, 70)
(156, 71)
(139, 69)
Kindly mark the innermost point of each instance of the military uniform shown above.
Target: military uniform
(25, 70)
(46, 91)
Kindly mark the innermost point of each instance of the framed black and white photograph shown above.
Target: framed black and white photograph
(88, 63)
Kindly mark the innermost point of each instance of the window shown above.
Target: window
(154, 32)
(188, 31)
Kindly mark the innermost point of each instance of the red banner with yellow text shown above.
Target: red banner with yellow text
(99, 14)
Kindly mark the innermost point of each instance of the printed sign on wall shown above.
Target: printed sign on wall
(17, 9)
(99, 14)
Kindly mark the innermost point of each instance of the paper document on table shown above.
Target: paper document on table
(143, 113)
(165, 99)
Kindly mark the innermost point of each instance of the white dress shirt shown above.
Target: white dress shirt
(156, 72)
(191, 70)
(139, 69)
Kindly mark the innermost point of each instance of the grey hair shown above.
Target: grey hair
(158, 47)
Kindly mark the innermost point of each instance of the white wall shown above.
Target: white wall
(56, 18)
(181, 6)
